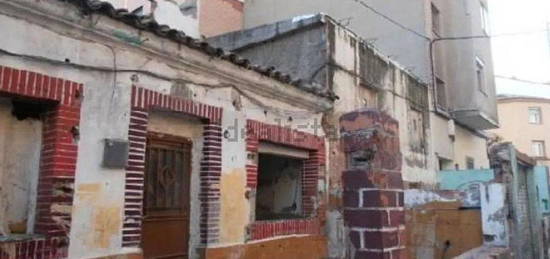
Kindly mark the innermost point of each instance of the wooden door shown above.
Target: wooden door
(165, 231)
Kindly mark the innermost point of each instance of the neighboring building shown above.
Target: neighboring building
(525, 121)
(463, 99)
(197, 18)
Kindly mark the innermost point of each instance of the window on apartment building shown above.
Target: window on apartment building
(441, 91)
(436, 22)
(279, 190)
(470, 163)
(485, 19)
(535, 115)
(21, 134)
(480, 76)
(538, 148)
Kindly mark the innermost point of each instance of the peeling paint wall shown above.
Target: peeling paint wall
(494, 213)
(20, 143)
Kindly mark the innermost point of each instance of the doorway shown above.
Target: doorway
(165, 230)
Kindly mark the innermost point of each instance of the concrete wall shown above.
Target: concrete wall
(98, 204)
(473, 145)
(375, 29)
(494, 208)
(514, 118)
(463, 18)
(20, 140)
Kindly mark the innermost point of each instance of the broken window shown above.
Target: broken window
(279, 190)
(20, 143)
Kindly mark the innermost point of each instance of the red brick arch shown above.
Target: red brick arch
(142, 102)
(57, 161)
(312, 171)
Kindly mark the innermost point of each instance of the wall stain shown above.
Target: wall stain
(106, 224)
(234, 207)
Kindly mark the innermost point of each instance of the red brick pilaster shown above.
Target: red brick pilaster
(373, 187)
(57, 161)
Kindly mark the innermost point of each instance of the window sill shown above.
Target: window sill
(285, 227)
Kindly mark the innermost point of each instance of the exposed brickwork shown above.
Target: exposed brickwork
(257, 132)
(143, 101)
(373, 187)
(43, 248)
(268, 229)
(57, 161)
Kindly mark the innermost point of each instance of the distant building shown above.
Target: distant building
(194, 17)
(525, 121)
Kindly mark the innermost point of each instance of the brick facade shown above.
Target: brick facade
(258, 132)
(57, 161)
(373, 186)
(143, 101)
(220, 16)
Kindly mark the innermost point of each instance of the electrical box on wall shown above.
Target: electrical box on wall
(115, 153)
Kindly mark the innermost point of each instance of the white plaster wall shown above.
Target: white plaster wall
(470, 145)
(21, 143)
(168, 13)
(494, 213)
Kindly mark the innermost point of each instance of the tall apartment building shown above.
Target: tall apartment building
(416, 33)
(529, 116)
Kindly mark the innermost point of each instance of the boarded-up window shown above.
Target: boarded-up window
(20, 146)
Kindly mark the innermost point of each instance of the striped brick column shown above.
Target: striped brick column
(143, 101)
(211, 169)
(373, 186)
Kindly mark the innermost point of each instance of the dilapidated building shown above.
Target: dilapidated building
(331, 58)
(124, 137)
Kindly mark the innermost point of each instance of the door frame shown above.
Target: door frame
(157, 138)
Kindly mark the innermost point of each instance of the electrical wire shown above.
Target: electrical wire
(264, 107)
(522, 80)
(423, 36)
(398, 24)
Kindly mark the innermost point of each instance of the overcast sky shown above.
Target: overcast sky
(525, 56)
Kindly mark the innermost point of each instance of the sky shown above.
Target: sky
(527, 55)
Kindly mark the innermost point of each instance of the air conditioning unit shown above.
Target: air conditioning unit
(451, 128)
